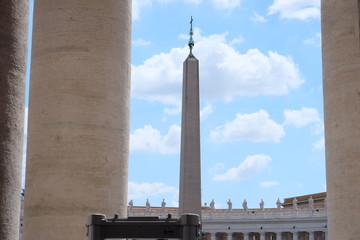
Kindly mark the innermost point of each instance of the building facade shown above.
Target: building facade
(304, 221)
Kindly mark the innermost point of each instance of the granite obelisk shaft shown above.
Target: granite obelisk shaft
(341, 87)
(77, 155)
(190, 164)
(13, 52)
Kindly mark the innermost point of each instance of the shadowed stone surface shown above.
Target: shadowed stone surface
(13, 51)
(77, 155)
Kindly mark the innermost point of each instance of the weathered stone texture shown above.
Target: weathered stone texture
(13, 53)
(341, 83)
(77, 156)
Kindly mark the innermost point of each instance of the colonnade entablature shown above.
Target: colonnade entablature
(295, 222)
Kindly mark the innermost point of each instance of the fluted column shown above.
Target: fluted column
(13, 53)
(341, 87)
(213, 236)
(229, 236)
(77, 155)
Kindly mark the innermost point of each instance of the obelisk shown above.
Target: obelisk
(13, 53)
(77, 154)
(341, 87)
(190, 164)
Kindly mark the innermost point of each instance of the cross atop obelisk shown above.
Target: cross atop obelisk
(191, 33)
(190, 170)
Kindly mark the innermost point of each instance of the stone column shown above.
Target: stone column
(213, 236)
(341, 87)
(246, 236)
(262, 236)
(77, 155)
(13, 53)
(295, 235)
(229, 236)
(278, 236)
(311, 235)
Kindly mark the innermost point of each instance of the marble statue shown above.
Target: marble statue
(229, 203)
(245, 206)
(262, 205)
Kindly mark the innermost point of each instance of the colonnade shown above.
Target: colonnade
(293, 235)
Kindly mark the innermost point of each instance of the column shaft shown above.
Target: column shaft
(229, 236)
(262, 236)
(213, 236)
(13, 53)
(311, 235)
(278, 236)
(341, 87)
(246, 236)
(295, 235)
(77, 155)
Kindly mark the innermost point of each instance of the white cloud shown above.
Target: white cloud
(226, 4)
(141, 42)
(255, 127)
(319, 145)
(206, 112)
(249, 167)
(258, 18)
(315, 40)
(269, 184)
(148, 139)
(318, 128)
(145, 190)
(296, 9)
(216, 168)
(302, 117)
(237, 40)
(137, 5)
(224, 72)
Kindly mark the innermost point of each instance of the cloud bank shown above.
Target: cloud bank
(224, 72)
(254, 127)
(249, 167)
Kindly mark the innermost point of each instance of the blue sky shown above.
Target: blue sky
(261, 99)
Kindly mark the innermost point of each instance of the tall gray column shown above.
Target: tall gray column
(311, 235)
(262, 236)
(190, 172)
(278, 236)
(13, 52)
(295, 235)
(341, 87)
(246, 236)
(77, 155)
(229, 236)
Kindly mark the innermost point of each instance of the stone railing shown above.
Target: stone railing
(208, 213)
